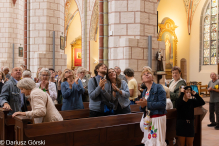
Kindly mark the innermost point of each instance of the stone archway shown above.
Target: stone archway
(73, 30)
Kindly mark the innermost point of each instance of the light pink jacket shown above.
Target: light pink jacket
(42, 107)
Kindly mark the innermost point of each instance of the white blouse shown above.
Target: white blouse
(169, 104)
(52, 90)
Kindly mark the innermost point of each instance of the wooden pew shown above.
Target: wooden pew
(107, 131)
(7, 122)
(59, 106)
(6, 126)
(99, 131)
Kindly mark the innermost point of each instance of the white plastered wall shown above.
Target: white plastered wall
(204, 75)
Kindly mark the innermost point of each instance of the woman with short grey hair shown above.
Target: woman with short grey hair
(26, 74)
(81, 72)
(45, 84)
(43, 109)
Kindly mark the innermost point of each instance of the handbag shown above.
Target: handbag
(105, 106)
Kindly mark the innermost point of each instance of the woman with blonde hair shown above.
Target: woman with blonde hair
(81, 72)
(72, 91)
(43, 109)
(153, 103)
(36, 79)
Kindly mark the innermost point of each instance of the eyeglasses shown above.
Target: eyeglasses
(44, 75)
(67, 71)
(82, 72)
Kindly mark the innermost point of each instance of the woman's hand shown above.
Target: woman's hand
(76, 80)
(19, 113)
(44, 85)
(143, 102)
(114, 87)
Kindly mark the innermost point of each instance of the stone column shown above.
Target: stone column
(131, 22)
(12, 31)
(101, 31)
(46, 17)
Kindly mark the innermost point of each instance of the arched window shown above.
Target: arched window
(210, 33)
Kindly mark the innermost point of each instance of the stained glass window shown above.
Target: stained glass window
(210, 34)
(213, 44)
(206, 52)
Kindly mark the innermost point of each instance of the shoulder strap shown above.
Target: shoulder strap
(95, 81)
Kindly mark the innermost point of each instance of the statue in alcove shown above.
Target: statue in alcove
(159, 58)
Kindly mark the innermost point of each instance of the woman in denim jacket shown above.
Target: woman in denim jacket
(72, 90)
(120, 93)
(154, 101)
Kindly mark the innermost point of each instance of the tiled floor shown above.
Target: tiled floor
(210, 136)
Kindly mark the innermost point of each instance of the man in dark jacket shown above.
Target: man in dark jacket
(11, 97)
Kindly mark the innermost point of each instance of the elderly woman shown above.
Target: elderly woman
(81, 74)
(43, 109)
(175, 85)
(46, 85)
(72, 91)
(26, 74)
(120, 93)
(153, 103)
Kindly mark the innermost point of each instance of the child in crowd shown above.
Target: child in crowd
(185, 115)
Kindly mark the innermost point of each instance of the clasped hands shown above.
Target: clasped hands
(210, 89)
(102, 83)
(142, 102)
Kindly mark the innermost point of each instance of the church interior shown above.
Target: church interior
(68, 34)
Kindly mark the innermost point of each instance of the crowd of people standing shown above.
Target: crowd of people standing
(108, 93)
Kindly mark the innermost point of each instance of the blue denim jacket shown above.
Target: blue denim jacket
(11, 94)
(156, 101)
(72, 98)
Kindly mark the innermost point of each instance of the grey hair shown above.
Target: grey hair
(147, 67)
(118, 67)
(45, 70)
(26, 83)
(26, 73)
(81, 69)
(5, 68)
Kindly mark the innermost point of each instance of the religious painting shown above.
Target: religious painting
(20, 51)
(62, 43)
(77, 57)
(168, 38)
